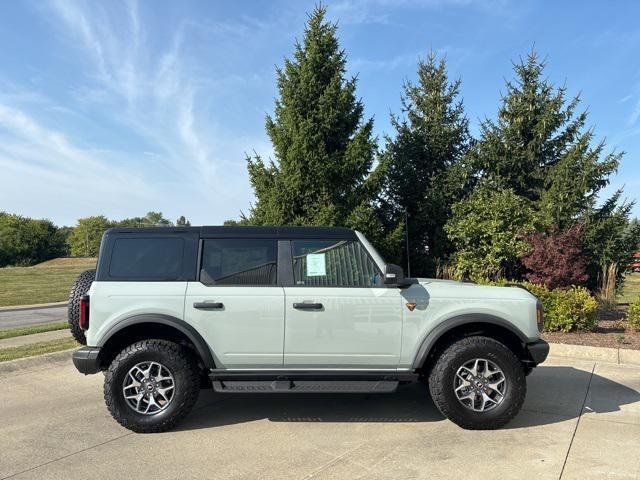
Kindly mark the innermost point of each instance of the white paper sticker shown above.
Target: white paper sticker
(316, 265)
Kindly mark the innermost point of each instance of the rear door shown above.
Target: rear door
(338, 313)
(237, 305)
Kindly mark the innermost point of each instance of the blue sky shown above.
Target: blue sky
(118, 108)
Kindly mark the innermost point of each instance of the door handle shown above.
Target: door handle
(208, 305)
(307, 306)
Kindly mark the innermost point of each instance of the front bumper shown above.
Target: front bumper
(86, 360)
(538, 351)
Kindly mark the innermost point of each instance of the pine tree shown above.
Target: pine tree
(324, 149)
(425, 174)
(539, 148)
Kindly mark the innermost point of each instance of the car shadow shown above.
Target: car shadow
(555, 394)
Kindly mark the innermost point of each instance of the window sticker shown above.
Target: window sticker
(316, 265)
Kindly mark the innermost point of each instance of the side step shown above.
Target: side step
(304, 386)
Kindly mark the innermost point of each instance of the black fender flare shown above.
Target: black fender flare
(183, 327)
(446, 325)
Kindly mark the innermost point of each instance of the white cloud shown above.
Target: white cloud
(158, 93)
(41, 169)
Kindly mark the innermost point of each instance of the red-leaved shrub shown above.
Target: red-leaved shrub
(555, 258)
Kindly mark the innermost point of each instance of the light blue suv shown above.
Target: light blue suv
(292, 309)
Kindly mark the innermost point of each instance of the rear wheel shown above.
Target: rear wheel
(478, 383)
(152, 385)
(80, 288)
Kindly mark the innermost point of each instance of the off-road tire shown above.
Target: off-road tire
(441, 383)
(80, 287)
(182, 364)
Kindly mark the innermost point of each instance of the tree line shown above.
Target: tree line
(520, 200)
(25, 241)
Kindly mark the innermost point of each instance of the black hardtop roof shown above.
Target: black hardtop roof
(222, 231)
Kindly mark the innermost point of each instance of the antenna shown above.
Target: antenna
(406, 236)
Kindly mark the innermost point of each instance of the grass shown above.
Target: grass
(19, 332)
(631, 288)
(43, 283)
(13, 353)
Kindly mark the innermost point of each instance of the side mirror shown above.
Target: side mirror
(393, 275)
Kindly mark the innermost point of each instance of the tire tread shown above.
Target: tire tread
(437, 384)
(79, 288)
(187, 364)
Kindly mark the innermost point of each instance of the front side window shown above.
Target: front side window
(239, 262)
(333, 263)
(147, 258)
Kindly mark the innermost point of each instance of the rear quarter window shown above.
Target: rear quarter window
(147, 258)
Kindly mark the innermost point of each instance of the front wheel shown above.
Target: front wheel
(151, 385)
(478, 383)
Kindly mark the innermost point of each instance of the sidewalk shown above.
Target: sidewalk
(34, 338)
(35, 306)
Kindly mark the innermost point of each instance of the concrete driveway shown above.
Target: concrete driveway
(581, 420)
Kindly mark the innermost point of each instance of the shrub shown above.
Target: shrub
(633, 315)
(555, 258)
(569, 310)
(564, 310)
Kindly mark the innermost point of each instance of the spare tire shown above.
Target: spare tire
(80, 288)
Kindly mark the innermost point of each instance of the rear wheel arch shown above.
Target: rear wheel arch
(152, 326)
(467, 325)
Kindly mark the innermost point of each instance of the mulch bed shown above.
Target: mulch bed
(611, 331)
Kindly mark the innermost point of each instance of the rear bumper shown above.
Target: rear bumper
(538, 351)
(86, 360)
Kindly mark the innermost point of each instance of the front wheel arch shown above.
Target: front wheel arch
(463, 326)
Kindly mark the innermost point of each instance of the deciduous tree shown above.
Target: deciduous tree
(487, 231)
(555, 258)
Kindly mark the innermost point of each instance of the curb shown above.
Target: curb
(52, 359)
(38, 306)
(620, 356)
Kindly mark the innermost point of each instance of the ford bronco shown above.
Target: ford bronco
(292, 309)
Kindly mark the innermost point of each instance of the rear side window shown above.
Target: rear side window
(239, 262)
(333, 263)
(147, 258)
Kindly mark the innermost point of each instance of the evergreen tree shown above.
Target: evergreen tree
(539, 148)
(324, 149)
(609, 237)
(425, 174)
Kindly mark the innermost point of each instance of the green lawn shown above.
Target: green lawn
(630, 289)
(22, 331)
(13, 353)
(44, 283)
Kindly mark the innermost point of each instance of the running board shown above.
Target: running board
(304, 386)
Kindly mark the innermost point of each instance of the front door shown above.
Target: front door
(237, 306)
(338, 314)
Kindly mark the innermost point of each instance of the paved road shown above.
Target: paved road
(580, 420)
(34, 316)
